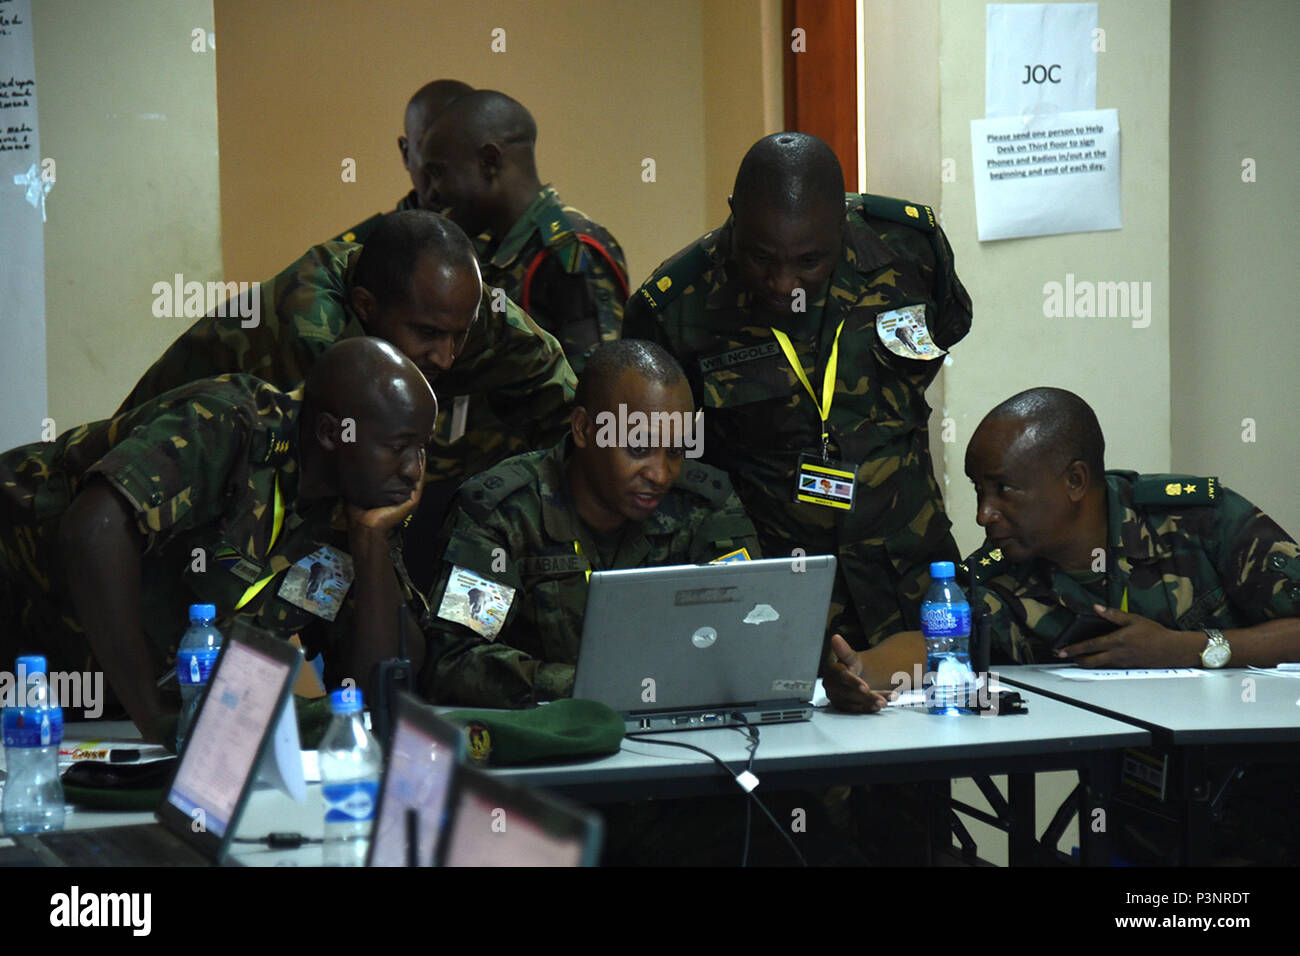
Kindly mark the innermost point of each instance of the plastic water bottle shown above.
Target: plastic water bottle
(195, 659)
(33, 730)
(945, 623)
(350, 763)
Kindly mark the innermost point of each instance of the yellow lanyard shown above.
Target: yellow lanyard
(577, 549)
(277, 522)
(828, 379)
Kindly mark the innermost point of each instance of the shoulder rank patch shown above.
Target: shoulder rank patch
(672, 279)
(482, 493)
(740, 554)
(266, 446)
(900, 210)
(706, 481)
(1166, 490)
(555, 227)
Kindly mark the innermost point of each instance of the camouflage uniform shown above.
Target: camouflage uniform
(758, 417)
(523, 507)
(566, 271)
(1184, 551)
(1189, 554)
(516, 373)
(362, 230)
(199, 469)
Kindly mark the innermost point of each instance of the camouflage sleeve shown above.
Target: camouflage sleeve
(641, 322)
(274, 330)
(172, 466)
(1258, 562)
(584, 308)
(464, 666)
(954, 319)
(723, 531)
(519, 367)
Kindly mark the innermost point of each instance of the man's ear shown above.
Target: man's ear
(328, 431)
(401, 146)
(1078, 479)
(580, 426)
(364, 304)
(490, 160)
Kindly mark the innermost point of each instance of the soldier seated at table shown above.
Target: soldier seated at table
(1111, 568)
(526, 534)
(229, 492)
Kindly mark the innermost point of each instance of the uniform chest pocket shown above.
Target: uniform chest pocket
(557, 606)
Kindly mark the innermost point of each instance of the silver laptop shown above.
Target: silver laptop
(205, 798)
(690, 646)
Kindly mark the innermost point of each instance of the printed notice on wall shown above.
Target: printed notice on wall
(25, 181)
(1040, 58)
(1047, 175)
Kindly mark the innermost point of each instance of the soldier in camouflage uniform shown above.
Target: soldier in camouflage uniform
(862, 278)
(224, 491)
(428, 101)
(419, 289)
(1177, 563)
(524, 536)
(566, 271)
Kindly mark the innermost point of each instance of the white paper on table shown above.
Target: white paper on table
(282, 764)
(1282, 670)
(1083, 673)
(1047, 175)
(1039, 59)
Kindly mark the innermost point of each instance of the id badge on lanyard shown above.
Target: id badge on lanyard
(820, 479)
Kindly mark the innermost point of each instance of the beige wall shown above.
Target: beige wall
(128, 113)
(1235, 336)
(1122, 371)
(303, 84)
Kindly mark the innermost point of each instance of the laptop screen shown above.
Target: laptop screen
(418, 777)
(495, 827)
(223, 744)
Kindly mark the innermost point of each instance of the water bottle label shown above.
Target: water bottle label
(194, 667)
(351, 802)
(945, 620)
(29, 727)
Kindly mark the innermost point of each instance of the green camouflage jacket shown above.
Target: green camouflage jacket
(566, 271)
(1183, 551)
(514, 537)
(758, 417)
(511, 377)
(362, 230)
(199, 468)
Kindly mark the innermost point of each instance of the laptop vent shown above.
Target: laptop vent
(773, 716)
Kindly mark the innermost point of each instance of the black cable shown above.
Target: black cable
(280, 841)
(652, 738)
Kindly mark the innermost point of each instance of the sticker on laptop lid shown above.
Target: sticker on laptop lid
(474, 601)
(319, 582)
(761, 614)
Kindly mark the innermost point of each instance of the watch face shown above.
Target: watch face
(1215, 656)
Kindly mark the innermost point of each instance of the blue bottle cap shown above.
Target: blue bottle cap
(203, 612)
(346, 700)
(942, 569)
(32, 664)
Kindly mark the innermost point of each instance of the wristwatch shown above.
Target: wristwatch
(1217, 652)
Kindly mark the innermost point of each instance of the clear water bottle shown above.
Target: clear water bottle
(945, 623)
(350, 764)
(33, 730)
(195, 658)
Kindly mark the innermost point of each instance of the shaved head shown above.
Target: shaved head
(387, 262)
(611, 360)
(487, 116)
(1057, 425)
(428, 101)
(790, 172)
(370, 412)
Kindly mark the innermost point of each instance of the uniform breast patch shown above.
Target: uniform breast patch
(748, 353)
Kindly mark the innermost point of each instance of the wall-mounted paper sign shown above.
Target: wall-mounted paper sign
(1046, 176)
(1040, 59)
